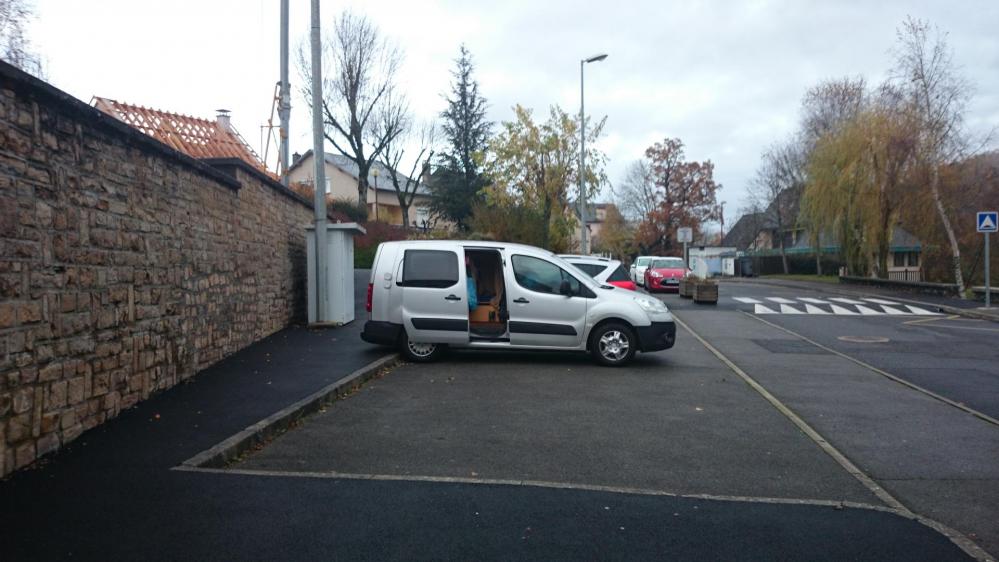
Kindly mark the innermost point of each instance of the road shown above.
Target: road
(685, 424)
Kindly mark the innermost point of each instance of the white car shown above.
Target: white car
(604, 270)
(638, 268)
(426, 295)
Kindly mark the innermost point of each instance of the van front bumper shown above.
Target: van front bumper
(381, 333)
(657, 336)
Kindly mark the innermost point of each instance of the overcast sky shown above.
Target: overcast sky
(725, 76)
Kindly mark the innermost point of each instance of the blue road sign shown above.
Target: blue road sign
(988, 221)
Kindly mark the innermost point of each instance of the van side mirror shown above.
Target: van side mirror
(565, 288)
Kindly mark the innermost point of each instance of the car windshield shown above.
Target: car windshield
(642, 262)
(668, 263)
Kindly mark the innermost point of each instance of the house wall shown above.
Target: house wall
(341, 185)
(125, 267)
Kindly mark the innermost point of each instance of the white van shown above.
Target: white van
(426, 295)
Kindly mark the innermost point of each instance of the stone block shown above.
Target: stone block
(75, 391)
(18, 428)
(47, 444)
(23, 401)
(50, 422)
(24, 455)
(57, 395)
(7, 315)
(29, 312)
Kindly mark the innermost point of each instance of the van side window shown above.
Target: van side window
(429, 268)
(541, 276)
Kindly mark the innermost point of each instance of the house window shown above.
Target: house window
(898, 259)
(913, 259)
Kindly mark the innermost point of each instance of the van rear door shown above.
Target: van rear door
(434, 295)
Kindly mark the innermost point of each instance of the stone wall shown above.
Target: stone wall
(125, 267)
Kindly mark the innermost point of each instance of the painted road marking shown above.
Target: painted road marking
(841, 307)
(923, 311)
(880, 301)
(846, 300)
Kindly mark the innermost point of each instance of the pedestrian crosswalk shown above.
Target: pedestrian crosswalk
(840, 306)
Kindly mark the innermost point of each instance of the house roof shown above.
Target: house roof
(349, 167)
(196, 137)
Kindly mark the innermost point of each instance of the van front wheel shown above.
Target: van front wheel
(613, 344)
(419, 352)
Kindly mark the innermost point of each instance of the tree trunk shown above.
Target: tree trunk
(783, 256)
(546, 216)
(818, 259)
(405, 216)
(954, 248)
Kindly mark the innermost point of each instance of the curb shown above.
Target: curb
(273, 425)
(966, 312)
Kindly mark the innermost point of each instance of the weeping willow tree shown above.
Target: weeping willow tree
(857, 179)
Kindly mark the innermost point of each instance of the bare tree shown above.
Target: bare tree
(358, 92)
(829, 105)
(938, 96)
(15, 48)
(409, 141)
(637, 194)
(777, 188)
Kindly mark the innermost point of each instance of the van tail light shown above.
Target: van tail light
(367, 301)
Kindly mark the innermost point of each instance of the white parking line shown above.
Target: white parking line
(895, 311)
(867, 311)
(812, 300)
(761, 309)
(837, 309)
(923, 311)
(812, 309)
(788, 309)
(747, 300)
(880, 301)
(780, 300)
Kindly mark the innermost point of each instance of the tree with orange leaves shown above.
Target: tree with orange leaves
(686, 196)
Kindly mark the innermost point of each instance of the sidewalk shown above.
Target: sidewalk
(949, 305)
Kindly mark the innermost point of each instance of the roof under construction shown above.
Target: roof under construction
(198, 138)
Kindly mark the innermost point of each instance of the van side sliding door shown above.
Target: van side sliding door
(435, 296)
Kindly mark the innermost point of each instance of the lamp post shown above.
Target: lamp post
(582, 156)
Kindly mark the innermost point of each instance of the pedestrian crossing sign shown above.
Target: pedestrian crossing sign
(988, 221)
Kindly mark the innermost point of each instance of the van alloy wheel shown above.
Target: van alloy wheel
(614, 345)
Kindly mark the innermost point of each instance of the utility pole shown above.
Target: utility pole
(284, 103)
(319, 159)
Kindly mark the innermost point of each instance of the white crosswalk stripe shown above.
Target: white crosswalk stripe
(833, 306)
(846, 301)
(880, 301)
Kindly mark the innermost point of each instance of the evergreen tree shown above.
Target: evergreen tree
(456, 183)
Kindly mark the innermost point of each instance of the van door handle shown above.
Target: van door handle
(452, 298)
(521, 300)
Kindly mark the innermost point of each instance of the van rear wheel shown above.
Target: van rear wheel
(419, 352)
(613, 344)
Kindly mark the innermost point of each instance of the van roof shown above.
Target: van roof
(475, 243)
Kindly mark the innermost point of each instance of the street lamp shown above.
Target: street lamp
(582, 155)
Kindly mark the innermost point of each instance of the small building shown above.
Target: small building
(382, 199)
(712, 261)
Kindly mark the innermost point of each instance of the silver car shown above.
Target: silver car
(427, 295)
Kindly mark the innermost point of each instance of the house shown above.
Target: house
(596, 214)
(195, 137)
(756, 234)
(382, 200)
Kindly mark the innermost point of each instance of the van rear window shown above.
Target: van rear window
(619, 274)
(429, 268)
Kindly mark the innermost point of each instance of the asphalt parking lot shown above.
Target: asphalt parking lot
(679, 422)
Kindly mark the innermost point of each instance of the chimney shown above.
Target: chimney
(222, 120)
(295, 158)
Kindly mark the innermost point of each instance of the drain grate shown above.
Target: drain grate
(790, 346)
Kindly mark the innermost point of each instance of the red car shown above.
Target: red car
(664, 274)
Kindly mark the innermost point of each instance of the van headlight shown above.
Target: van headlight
(652, 306)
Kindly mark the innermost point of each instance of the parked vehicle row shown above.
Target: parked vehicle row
(659, 273)
(424, 296)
